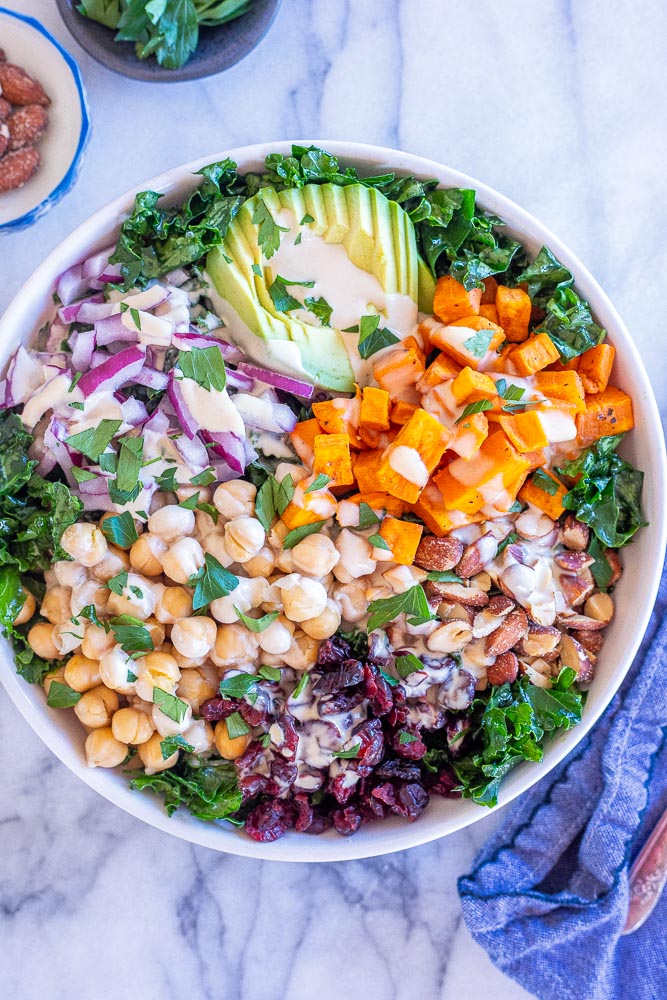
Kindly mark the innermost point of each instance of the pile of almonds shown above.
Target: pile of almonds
(23, 122)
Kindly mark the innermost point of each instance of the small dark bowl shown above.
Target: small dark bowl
(218, 49)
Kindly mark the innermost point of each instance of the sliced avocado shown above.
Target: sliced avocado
(378, 237)
(426, 286)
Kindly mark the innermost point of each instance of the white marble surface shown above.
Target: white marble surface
(560, 105)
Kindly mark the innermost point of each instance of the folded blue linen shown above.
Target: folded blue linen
(548, 896)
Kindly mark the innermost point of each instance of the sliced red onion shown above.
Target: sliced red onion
(263, 414)
(134, 412)
(157, 423)
(186, 341)
(239, 380)
(83, 346)
(70, 313)
(185, 417)
(92, 312)
(112, 330)
(114, 372)
(230, 447)
(152, 379)
(223, 472)
(3, 394)
(24, 376)
(111, 274)
(192, 451)
(176, 277)
(55, 433)
(285, 382)
(250, 453)
(72, 284)
(148, 299)
(99, 357)
(94, 266)
(57, 333)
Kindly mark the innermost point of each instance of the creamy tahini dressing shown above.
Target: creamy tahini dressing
(407, 462)
(212, 408)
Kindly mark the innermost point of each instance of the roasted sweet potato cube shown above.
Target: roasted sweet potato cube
(537, 491)
(402, 411)
(403, 539)
(440, 370)
(374, 409)
(451, 301)
(303, 439)
(470, 435)
(565, 385)
(607, 412)
(399, 370)
(469, 381)
(534, 354)
(514, 309)
(366, 465)
(489, 311)
(339, 416)
(595, 367)
(489, 291)
(469, 341)
(379, 501)
(419, 446)
(332, 458)
(457, 495)
(524, 430)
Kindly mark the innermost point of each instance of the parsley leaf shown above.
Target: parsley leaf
(373, 339)
(350, 754)
(478, 344)
(172, 744)
(545, 482)
(268, 236)
(127, 485)
(236, 725)
(61, 696)
(444, 576)
(211, 582)
(408, 664)
(319, 483)
(281, 298)
(479, 406)
(270, 673)
(378, 542)
(95, 440)
(205, 365)
(131, 634)
(82, 475)
(412, 602)
(171, 706)
(120, 529)
(237, 686)
(320, 308)
(367, 516)
(293, 537)
(272, 499)
(118, 583)
(257, 624)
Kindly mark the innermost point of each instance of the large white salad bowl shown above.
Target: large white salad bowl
(634, 596)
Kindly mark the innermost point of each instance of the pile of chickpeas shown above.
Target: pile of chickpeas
(314, 585)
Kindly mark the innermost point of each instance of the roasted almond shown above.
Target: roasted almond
(18, 87)
(591, 641)
(4, 139)
(17, 167)
(477, 555)
(27, 125)
(438, 554)
(5, 108)
(580, 623)
(572, 561)
(575, 535)
(573, 655)
(503, 670)
(614, 561)
(457, 593)
(513, 628)
(576, 589)
(541, 640)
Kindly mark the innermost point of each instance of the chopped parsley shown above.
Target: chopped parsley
(478, 344)
(61, 696)
(411, 602)
(171, 706)
(95, 440)
(319, 307)
(272, 499)
(257, 624)
(378, 542)
(293, 537)
(479, 406)
(172, 744)
(236, 725)
(350, 754)
(408, 664)
(205, 365)
(237, 686)
(319, 483)
(545, 483)
(268, 236)
(131, 634)
(211, 582)
(373, 338)
(120, 529)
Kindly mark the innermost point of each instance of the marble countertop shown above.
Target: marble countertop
(559, 105)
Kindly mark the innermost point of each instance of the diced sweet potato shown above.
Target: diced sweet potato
(402, 411)
(339, 416)
(468, 381)
(524, 430)
(374, 410)
(431, 509)
(403, 539)
(440, 370)
(565, 385)
(488, 311)
(497, 459)
(607, 412)
(303, 440)
(470, 435)
(379, 501)
(428, 438)
(514, 308)
(536, 458)
(532, 492)
(366, 465)
(534, 354)
(456, 495)
(595, 367)
(490, 289)
(451, 301)
(455, 340)
(332, 458)
(399, 370)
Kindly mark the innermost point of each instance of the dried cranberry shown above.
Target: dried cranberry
(342, 702)
(284, 737)
(269, 820)
(347, 821)
(283, 773)
(399, 769)
(341, 787)
(217, 708)
(246, 762)
(346, 674)
(385, 793)
(369, 734)
(379, 651)
(408, 743)
(305, 813)
(254, 715)
(412, 800)
(253, 785)
(445, 783)
(320, 823)
(456, 730)
(377, 691)
(333, 650)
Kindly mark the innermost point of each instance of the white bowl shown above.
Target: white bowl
(635, 594)
(28, 44)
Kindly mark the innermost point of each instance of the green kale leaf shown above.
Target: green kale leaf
(210, 792)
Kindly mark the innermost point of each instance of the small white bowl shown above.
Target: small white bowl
(635, 592)
(28, 44)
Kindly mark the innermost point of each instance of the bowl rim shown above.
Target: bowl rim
(103, 54)
(66, 182)
(401, 835)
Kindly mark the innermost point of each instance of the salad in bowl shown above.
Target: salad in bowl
(311, 498)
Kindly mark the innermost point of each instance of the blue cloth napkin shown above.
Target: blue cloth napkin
(548, 896)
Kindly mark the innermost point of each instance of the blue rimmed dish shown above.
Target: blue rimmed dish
(28, 44)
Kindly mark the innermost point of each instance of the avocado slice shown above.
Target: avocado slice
(378, 237)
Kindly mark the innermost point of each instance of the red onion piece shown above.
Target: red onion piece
(187, 341)
(70, 313)
(239, 380)
(152, 379)
(91, 312)
(285, 382)
(192, 451)
(230, 447)
(176, 277)
(112, 330)
(157, 423)
(134, 412)
(185, 417)
(83, 346)
(72, 284)
(23, 377)
(94, 265)
(114, 372)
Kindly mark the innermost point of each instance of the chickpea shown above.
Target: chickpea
(85, 543)
(194, 637)
(285, 561)
(356, 556)
(352, 600)
(244, 538)
(183, 559)
(137, 524)
(82, 674)
(69, 574)
(450, 637)
(277, 535)
(40, 640)
(95, 708)
(90, 592)
(325, 624)
(96, 642)
(169, 727)
(53, 675)
(199, 735)
(277, 638)
(150, 754)
(214, 544)
(195, 689)
(172, 523)
(131, 725)
(114, 668)
(187, 662)
(103, 749)
(172, 604)
(303, 598)
(250, 593)
(115, 561)
(56, 606)
(204, 523)
(146, 555)
(156, 670)
(234, 646)
(227, 747)
(27, 609)
(156, 632)
(302, 654)
(235, 499)
(315, 555)
(67, 637)
(263, 564)
(137, 598)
